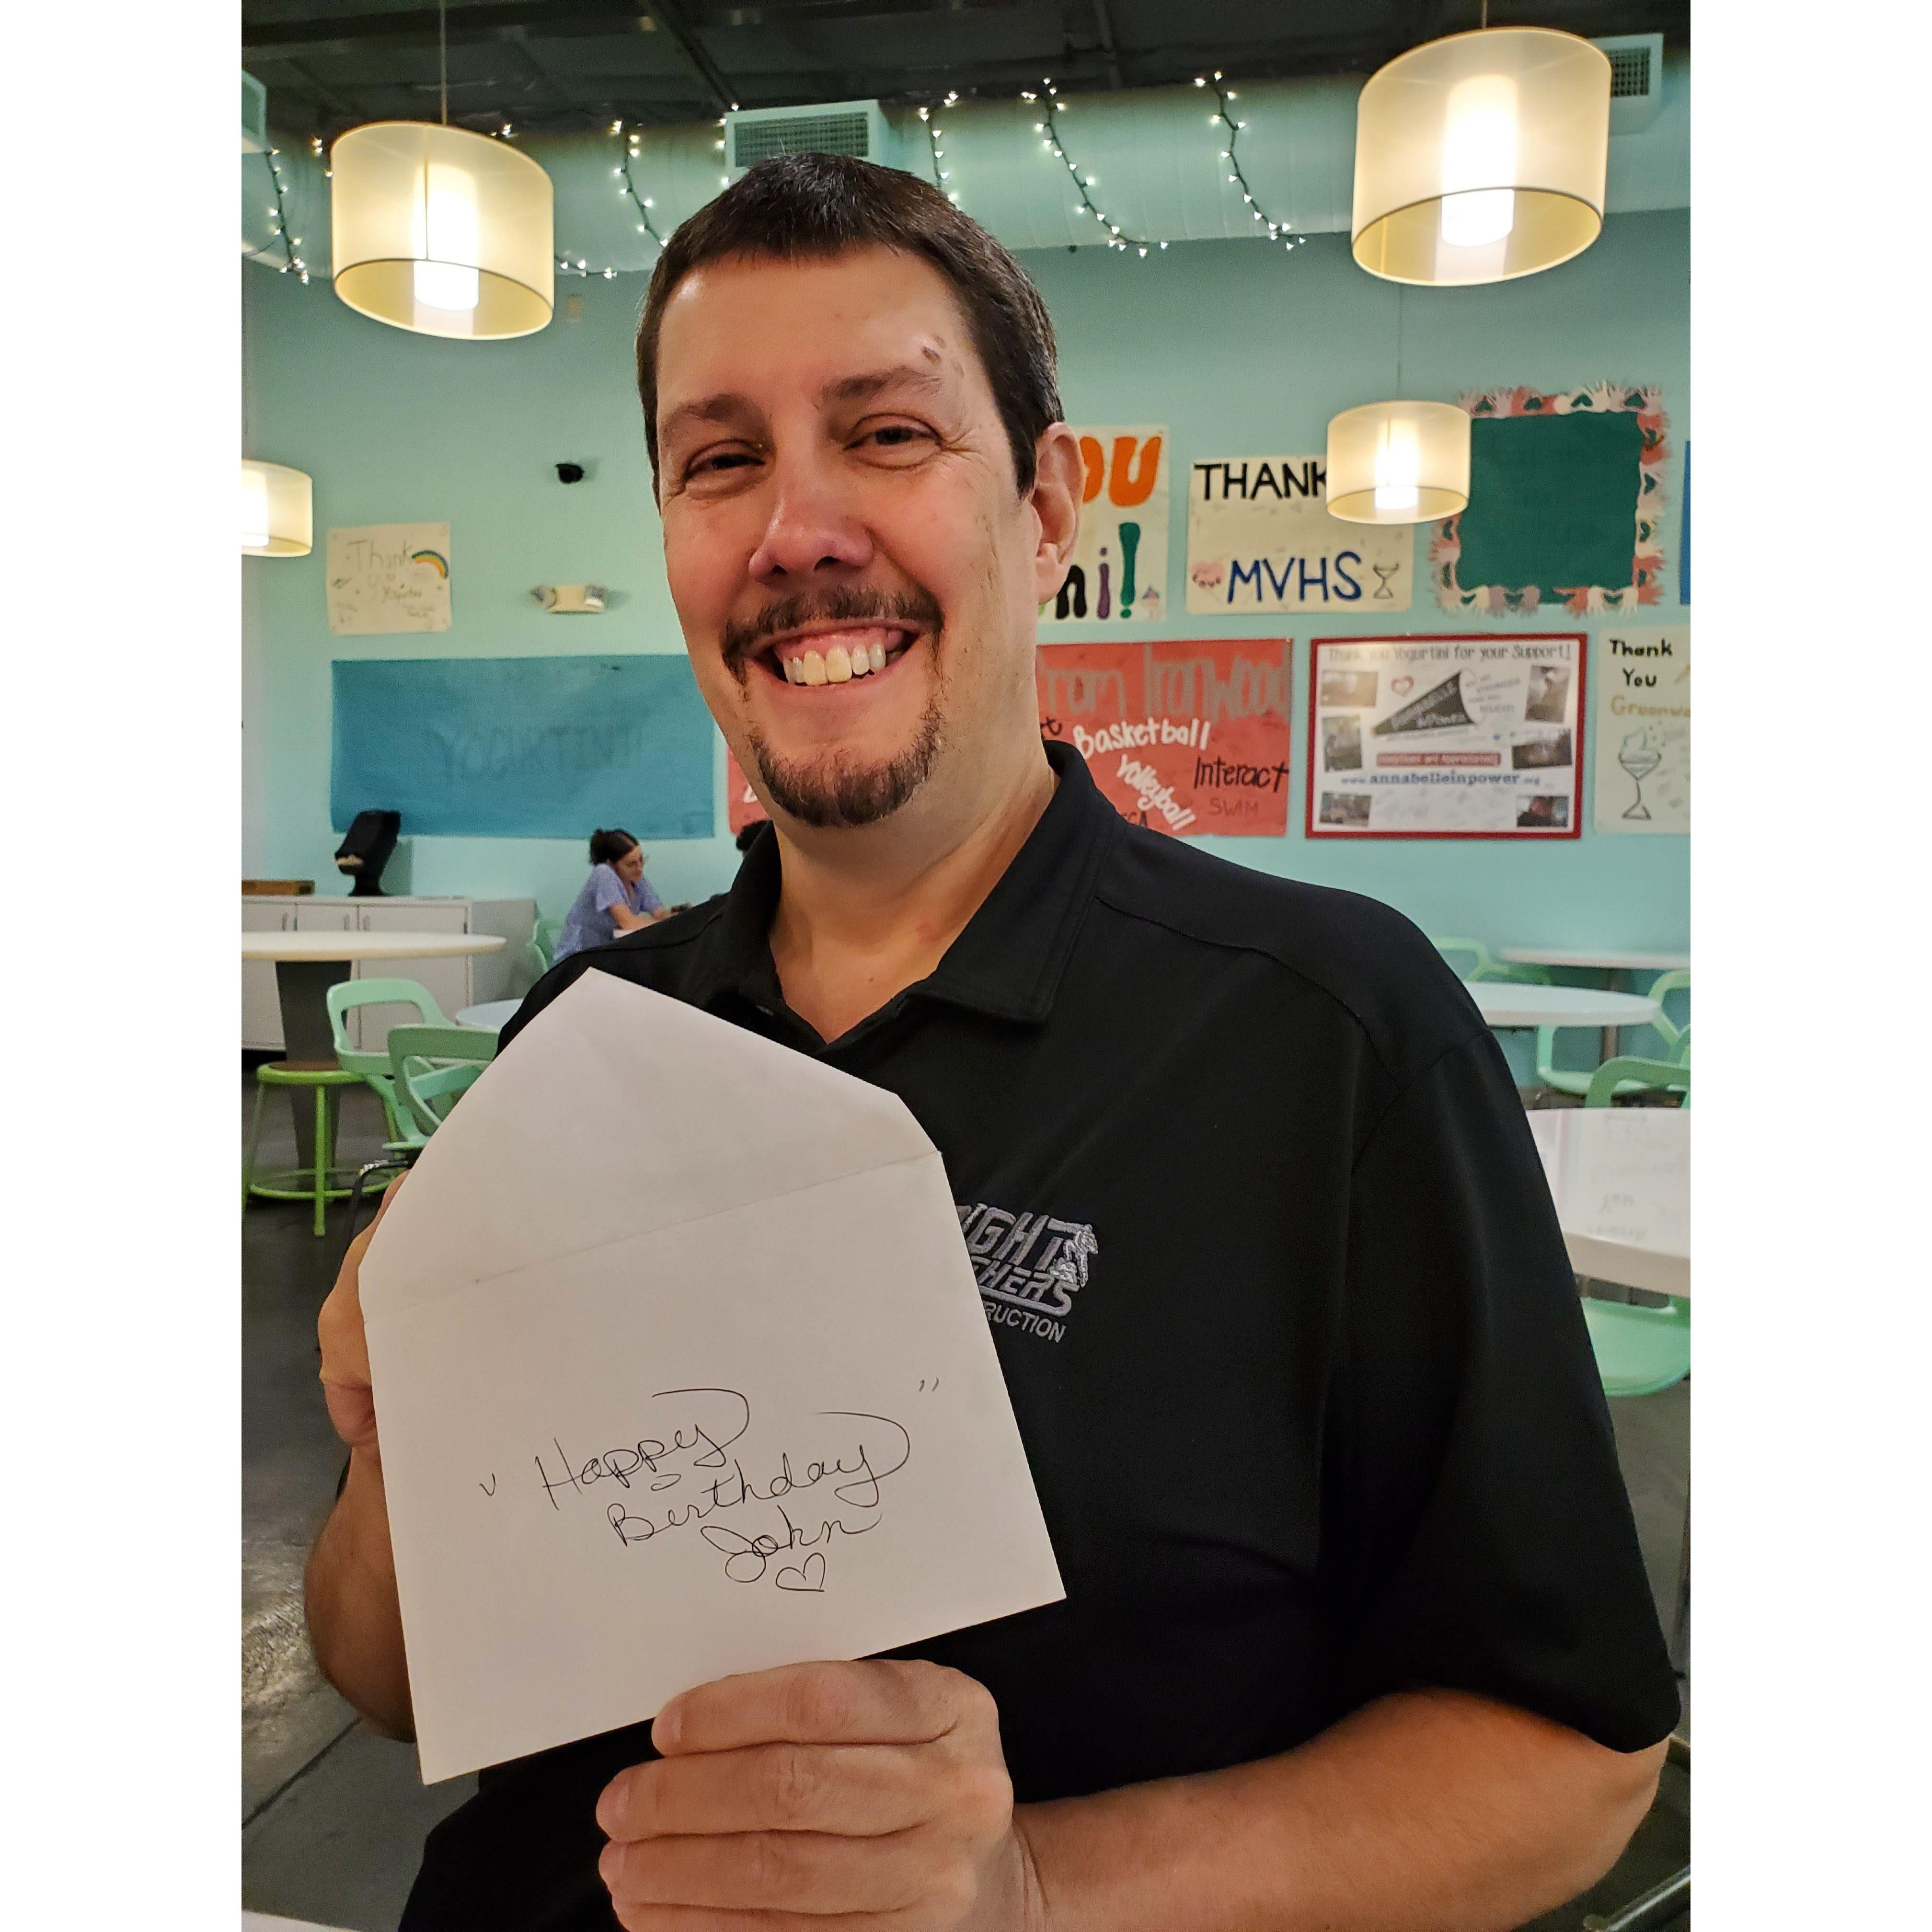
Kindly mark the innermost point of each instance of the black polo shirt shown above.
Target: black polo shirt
(1281, 1301)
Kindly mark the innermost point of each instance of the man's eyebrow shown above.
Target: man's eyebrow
(862, 388)
(728, 407)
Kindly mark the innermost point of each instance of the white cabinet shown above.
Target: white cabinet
(261, 1005)
(453, 984)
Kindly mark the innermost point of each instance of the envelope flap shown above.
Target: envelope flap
(615, 1112)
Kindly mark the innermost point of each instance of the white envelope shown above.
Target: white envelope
(680, 1370)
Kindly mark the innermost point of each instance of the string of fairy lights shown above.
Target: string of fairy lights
(1047, 99)
(1117, 237)
(934, 134)
(278, 217)
(1231, 155)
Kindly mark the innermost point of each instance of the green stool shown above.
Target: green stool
(299, 1184)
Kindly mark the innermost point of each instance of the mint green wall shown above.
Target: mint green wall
(1237, 347)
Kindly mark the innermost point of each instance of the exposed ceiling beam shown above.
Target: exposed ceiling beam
(669, 18)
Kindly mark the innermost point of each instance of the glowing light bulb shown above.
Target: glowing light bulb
(1479, 150)
(444, 278)
(1398, 469)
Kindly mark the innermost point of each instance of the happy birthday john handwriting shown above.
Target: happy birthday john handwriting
(800, 1497)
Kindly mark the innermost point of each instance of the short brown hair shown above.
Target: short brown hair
(797, 206)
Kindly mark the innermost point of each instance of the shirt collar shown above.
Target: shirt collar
(1009, 960)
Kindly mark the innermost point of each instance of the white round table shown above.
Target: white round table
(1503, 1004)
(491, 1014)
(1620, 1179)
(1601, 958)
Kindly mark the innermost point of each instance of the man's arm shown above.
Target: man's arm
(877, 1791)
(1430, 1809)
(355, 1623)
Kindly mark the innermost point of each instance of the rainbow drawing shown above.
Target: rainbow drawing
(440, 562)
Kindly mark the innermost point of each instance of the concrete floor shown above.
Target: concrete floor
(334, 1817)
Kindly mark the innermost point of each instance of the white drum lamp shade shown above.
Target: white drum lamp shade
(277, 510)
(441, 231)
(1399, 463)
(1481, 157)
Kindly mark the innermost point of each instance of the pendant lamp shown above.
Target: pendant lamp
(277, 515)
(441, 231)
(1399, 463)
(1481, 157)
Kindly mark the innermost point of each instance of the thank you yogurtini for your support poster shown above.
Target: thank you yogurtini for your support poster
(1446, 737)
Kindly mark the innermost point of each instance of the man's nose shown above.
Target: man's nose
(813, 525)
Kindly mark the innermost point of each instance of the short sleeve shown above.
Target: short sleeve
(1482, 1536)
(610, 889)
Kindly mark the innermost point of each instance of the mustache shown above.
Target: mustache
(846, 603)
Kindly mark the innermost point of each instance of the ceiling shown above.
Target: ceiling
(559, 66)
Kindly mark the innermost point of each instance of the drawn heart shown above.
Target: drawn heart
(811, 1576)
(1402, 686)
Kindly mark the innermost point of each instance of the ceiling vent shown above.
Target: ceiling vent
(254, 116)
(1636, 80)
(855, 127)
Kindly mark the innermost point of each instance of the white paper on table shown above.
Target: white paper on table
(681, 1370)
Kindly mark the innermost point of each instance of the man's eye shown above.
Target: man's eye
(896, 435)
(716, 461)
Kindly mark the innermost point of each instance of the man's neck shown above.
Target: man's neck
(863, 914)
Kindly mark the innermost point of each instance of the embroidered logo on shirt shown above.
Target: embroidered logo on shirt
(1029, 1267)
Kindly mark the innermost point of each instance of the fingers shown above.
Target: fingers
(876, 1702)
(858, 1790)
(790, 1872)
(702, 1918)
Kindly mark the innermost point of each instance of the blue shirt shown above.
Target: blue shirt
(589, 922)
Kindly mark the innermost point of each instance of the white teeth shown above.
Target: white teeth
(794, 670)
(875, 657)
(815, 668)
(838, 664)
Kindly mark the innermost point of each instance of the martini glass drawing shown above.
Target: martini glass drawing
(1640, 756)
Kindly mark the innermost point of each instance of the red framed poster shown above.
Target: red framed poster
(1185, 735)
(1469, 735)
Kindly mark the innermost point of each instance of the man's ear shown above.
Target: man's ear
(1059, 481)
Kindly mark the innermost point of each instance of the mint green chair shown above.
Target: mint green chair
(543, 943)
(1676, 1041)
(1625, 1075)
(372, 1068)
(318, 1182)
(430, 1067)
(1478, 962)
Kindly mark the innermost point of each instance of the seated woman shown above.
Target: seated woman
(615, 898)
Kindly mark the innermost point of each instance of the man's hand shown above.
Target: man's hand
(874, 1792)
(345, 1347)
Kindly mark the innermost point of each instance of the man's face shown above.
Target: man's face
(855, 571)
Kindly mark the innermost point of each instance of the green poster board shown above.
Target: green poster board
(1552, 501)
(1565, 493)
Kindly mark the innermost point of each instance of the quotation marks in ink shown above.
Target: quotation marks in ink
(924, 1385)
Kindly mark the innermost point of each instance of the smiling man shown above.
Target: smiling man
(1356, 1634)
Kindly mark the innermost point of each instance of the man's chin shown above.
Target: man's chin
(837, 788)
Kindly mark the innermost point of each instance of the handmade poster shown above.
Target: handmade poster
(1119, 572)
(388, 577)
(523, 748)
(1446, 737)
(1643, 729)
(1566, 503)
(683, 1371)
(1185, 736)
(1260, 537)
